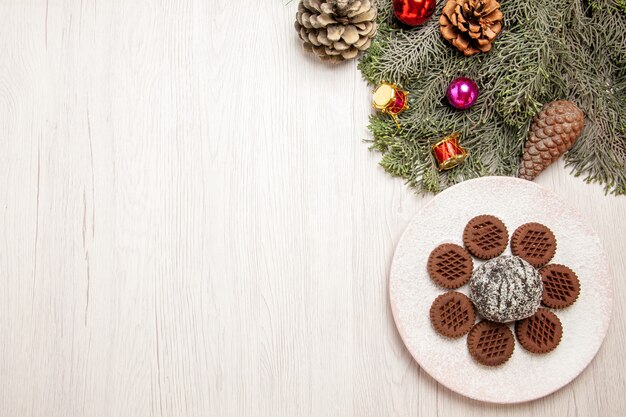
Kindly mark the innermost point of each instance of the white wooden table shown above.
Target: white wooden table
(191, 225)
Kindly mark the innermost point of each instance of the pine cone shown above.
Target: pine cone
(336, 30)
(471, 25)
(553, 132)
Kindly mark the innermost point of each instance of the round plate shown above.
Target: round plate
(525, 376)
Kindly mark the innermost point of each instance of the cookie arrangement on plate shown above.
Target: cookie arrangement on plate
(519, 289)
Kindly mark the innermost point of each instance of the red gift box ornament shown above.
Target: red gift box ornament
(448, 152)
(391, 100)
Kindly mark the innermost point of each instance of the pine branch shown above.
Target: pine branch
(548, 50)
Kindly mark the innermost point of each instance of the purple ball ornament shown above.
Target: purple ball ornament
(462, 93)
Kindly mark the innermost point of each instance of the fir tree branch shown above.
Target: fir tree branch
(548, 50)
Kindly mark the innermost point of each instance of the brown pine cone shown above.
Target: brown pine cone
(553, 132)
(336, 30)
(471, 25)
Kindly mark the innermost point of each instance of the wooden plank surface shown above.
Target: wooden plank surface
(191, 225)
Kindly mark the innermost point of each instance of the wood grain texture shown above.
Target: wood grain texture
(191, 225)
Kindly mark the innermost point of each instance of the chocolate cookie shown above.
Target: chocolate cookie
(540, 333)
(505, 289)
(534, 242)
(490, 343)
(485, 236)
(452, 314)
(560, 286)
(450, 265)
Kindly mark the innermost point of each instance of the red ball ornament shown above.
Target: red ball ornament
(413, 12)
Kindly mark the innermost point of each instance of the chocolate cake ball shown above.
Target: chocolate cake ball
(506, 288)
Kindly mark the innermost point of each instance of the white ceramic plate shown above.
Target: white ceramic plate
(525, 376)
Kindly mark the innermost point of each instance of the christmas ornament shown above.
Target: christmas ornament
(413, 12)
(448, 152)
(553, 132)
(471, 25)
(462, 93)
(336, 30)
(391, 100)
